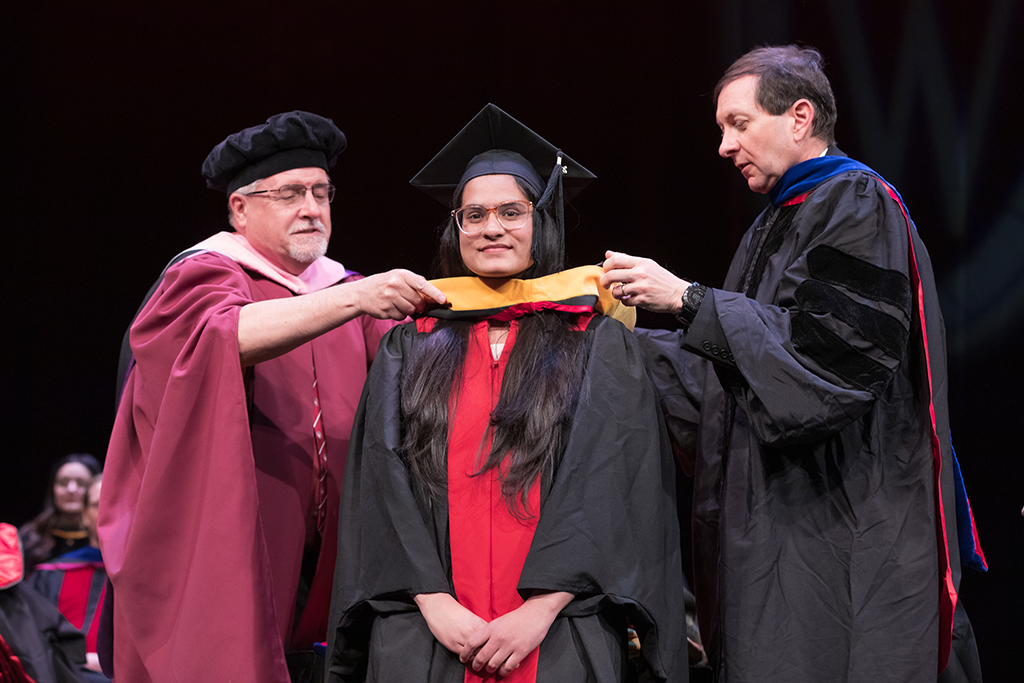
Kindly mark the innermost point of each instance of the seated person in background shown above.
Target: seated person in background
(37, 644)
(58, 528)
(509, 497)
(75, 581)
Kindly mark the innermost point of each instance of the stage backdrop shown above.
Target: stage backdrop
(110, 108)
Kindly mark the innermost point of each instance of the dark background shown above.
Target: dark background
(109, 110)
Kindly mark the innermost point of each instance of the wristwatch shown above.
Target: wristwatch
(692, 298)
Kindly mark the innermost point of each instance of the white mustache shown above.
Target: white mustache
(316, 224)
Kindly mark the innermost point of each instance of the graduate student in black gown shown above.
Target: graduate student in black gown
(509, 498)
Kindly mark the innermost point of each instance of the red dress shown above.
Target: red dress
(489, 544)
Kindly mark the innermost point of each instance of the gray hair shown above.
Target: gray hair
(244, 190)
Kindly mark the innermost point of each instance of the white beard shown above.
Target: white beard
(306, 248)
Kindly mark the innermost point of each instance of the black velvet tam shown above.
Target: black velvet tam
(492, 129)
(295, 139)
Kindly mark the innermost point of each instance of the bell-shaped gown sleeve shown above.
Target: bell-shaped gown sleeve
(191, 552)
(608, 530)
(387, 543)
(827, 324)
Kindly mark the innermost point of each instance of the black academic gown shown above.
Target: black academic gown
(825, 549)
(50, 649)
(607, 532)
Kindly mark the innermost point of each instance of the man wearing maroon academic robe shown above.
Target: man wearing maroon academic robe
(206, 548)
(218, 522)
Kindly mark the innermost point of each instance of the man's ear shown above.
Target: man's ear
(237, 204)
(802, 112)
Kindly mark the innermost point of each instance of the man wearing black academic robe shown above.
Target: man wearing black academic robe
(810, 392)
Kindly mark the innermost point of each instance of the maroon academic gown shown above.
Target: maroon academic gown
(212, 483)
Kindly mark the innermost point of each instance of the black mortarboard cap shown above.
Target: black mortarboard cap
(468, 155)
(295, 139)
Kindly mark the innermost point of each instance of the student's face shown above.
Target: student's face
(496, 251)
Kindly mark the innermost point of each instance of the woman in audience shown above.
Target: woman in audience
(58, 529)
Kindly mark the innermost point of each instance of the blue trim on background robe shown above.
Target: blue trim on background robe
(84, 554)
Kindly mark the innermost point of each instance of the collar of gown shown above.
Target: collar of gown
(320, 274)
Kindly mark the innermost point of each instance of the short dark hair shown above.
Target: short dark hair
(785, 74)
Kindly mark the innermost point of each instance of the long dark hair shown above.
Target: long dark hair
(37, 534)
(539, 391)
